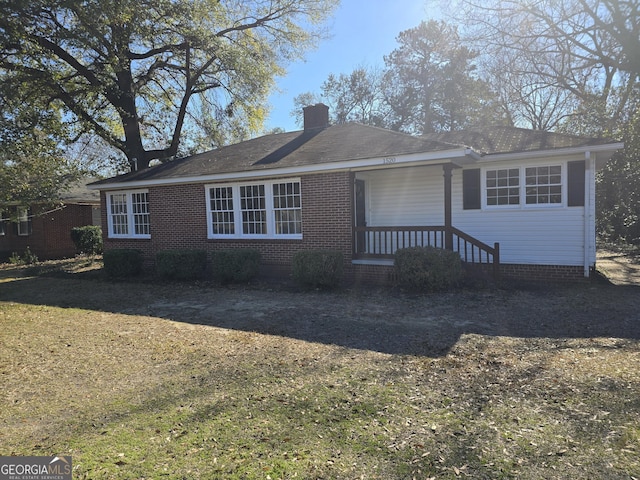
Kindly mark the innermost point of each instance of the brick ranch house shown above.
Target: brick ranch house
(520, 201)
(46, 229)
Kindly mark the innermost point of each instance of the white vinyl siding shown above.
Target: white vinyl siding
(128, 214)
(538, 234)
(401, 197)
(266, 209)
(530, 233)
(404, 196)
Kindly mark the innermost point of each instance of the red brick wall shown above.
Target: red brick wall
(179, 220)
(543, 273)
(50, 236)
(372, 274)
(384, 274)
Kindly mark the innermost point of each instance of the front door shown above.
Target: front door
(361, 216)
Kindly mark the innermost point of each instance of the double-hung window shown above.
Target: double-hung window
(128, 214)
(523, 186)
(253, 209)
(23, 221)
(503, 186)
(3, 223)
(270, 209)
(543, 185)
(287, 208)
(222, 212)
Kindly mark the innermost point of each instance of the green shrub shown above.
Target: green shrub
(428, 268)
(181, 264)
(122, 262)
(318, 268)
(87, 239)
(236, 266)
(27, 258)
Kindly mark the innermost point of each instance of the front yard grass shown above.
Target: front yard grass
(89, 370)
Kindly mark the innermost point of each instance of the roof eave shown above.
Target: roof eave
(458, 156)
(607, 148)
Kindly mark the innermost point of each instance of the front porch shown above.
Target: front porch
(399, 208)
(381, 243)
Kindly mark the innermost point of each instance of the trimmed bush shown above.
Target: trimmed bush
(239, 265)
(318, 268)
(122, 262)
(427, 268)
(181, 264)
(87, 239)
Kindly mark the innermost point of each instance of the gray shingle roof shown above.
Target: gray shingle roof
(494, 140)
(347, 142)
(79, 193)
(337, 143)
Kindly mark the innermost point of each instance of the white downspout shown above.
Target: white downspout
(589, 213)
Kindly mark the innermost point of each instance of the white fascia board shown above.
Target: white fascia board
(459, 156)
(609, 148)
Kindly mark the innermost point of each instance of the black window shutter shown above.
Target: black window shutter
(471, 189)
(575, 184)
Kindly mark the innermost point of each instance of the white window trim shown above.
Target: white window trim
(22, 214)
(130, 220)
(484, 188)
(3, 224)
(522, 186)
(237, 212)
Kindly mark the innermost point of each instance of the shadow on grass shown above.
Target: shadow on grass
(384, 321)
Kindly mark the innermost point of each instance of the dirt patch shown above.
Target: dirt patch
(620, 268)
(382, 320)
(137, 380)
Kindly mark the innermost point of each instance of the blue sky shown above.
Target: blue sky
(361, 33)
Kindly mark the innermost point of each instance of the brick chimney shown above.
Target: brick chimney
(316, 116)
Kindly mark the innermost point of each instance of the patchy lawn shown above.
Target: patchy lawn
(156, 380)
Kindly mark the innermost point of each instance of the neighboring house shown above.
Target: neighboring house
(46, 229)
(367, 191)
